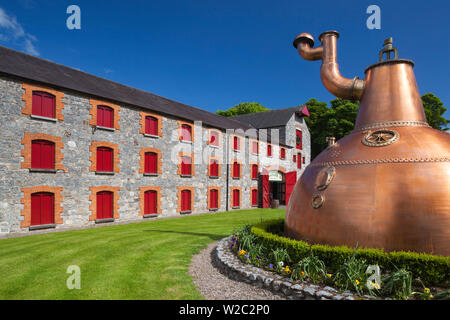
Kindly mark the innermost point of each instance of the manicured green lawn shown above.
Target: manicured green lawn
(147, 260)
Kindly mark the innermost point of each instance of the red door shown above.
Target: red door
(150, 202)
(265, 189)
(42, 206)
(214, 199)
(104, 205)
(291, 179)
(185, 200)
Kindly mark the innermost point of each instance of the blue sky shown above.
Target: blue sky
(216, 54)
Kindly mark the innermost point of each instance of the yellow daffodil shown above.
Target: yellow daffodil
(241, 253)
(329, 275)
(357, 282)
(287, 270)
(375, 285)
(302, 273)
(426, 290)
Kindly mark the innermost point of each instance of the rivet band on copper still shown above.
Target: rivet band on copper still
(388, 124)
(379, 161)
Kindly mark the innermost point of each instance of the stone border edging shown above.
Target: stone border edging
(235, 269)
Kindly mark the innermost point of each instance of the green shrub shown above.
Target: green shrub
(433, 270)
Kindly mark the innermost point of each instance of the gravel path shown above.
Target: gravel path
(216, 286)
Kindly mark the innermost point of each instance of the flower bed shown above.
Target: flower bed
(341, 267)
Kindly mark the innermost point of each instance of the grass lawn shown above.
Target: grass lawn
(147, 260)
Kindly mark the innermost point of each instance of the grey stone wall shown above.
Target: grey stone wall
(77, 135)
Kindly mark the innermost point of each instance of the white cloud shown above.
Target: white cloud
(10, 29)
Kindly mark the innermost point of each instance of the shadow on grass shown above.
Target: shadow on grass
(215, 237)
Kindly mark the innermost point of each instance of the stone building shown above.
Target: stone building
(78, 150)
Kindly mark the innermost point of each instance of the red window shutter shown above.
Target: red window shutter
(254, 171)
(214, 168)
(254, 197)
(236, 198)
(42, 154)
(42, 208)
(282, 153)
(185, 200)
(104, 159)
(236, 170)
(151, 165)
(213, 199)
(236, 143)
(299, 140)
(186, 132)
(255, 147)
(294, 158)
(105, 116)
(303, 159)
(151, 126)
(104, 205)
(214, 139)
(186, 166)
(150, 202)
(43, 104)
(269, 150)
(299, 163)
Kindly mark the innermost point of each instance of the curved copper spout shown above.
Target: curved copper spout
(329, 72)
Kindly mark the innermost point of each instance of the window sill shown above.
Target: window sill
(43, 118)
(213, 209)
(151, 136)
(104, 220)
(255, 179)
(105, 128)
(214, 177)
(40, 227)
(235, 207)
(239, 151)
(185, 212)
(213, 146)
(104, 173)
(186, 175)
(186, 141)
(153, 215)
(42, 170)
(236, 178)
(151, 174)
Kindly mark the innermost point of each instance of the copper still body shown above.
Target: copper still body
(385, 185)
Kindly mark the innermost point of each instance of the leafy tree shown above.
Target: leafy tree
(317, 124)
(243, 108)
(434, 109)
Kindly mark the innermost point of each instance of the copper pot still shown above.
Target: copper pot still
(385, 185)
